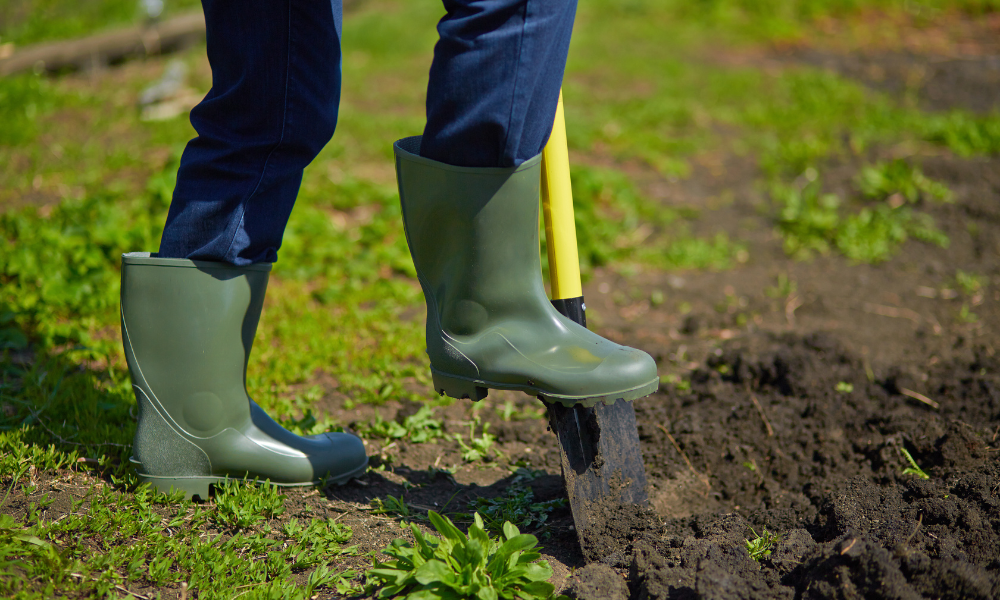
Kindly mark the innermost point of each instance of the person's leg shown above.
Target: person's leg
(469, 189)
(188, 325)
(495, 80)
(272, 107)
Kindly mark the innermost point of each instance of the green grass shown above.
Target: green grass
(879, 220)
(163, 545)
(32, 21)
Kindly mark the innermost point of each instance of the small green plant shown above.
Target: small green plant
(844, 388)
(807, 218)
(418, 428)
(897, 181)
(456, 566)
(970, 283)
(680, 384)
(761, 545)
(783, 287)
(913, 469)
(478, 448)
(391, 506)
(245, 504)
(516, 506)
(965, 315)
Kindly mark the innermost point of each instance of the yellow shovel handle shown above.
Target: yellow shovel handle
(557, 211)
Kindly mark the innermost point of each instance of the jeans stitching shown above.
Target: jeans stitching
(281, 138)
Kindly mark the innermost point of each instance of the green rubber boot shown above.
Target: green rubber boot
(473, 235)
(187, 329)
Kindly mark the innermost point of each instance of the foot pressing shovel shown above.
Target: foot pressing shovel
(601, 459)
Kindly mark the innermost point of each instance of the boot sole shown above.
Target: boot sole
(476, 390)
(201, 486)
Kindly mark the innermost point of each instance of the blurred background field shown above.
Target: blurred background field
(674, 109)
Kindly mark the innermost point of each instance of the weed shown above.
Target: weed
(478, 448)
(507, 411)
(245, 504)
(418, 428)
(392, 506)
(783, 287)
(970, 283)
(885, 180)
(761, 545)
(913, 469)
(965, 315)
(680, 384)
(456, 565)
(844, 388)
(810, 222)
(516, 506)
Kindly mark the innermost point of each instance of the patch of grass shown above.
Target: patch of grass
(159, 546)
(418, 428)
(456, 565)
(615, 223)
(899, 182)
(245, 504)
(971, 283)
(811, 222)
(23, 98)
(33, 21)
(515, 506)
(760, 546)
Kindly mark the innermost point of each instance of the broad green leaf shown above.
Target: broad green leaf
(537, 571)
(433, 571)
(445, 527)
(509, 530)
(487, 593)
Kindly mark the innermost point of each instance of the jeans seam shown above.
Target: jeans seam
(281, 137)
(513, 95)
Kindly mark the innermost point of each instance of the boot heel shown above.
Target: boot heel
(458, 388)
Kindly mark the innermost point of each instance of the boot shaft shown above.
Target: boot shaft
(473, 235)
(187, 330)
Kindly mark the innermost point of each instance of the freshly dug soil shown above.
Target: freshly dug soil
(829, 479)
(804, 404)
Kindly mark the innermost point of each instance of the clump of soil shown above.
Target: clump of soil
(597, 582)
(799, 441)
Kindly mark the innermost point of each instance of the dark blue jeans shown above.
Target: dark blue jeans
(273, 105)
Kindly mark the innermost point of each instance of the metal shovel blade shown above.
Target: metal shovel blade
(601, 460)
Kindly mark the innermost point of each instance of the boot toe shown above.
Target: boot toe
(344, 459)
(627, 374)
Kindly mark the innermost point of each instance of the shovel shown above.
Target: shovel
(601, 459)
